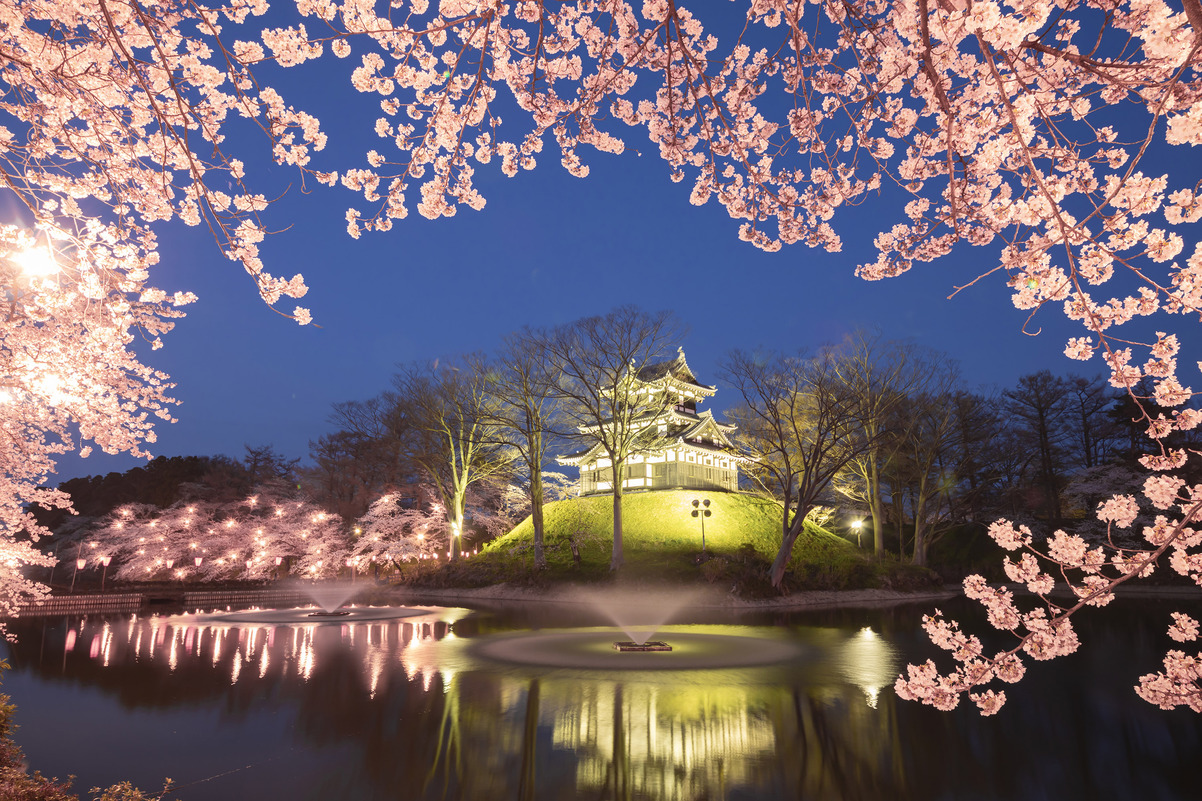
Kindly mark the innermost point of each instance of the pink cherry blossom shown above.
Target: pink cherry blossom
(1120, 510)
(993, 123)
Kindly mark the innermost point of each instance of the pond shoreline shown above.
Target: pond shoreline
(700, 597)
(711, 599)
(585, 595)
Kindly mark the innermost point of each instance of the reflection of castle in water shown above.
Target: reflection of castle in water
(661, 741)
(407, 709)
(490, 733)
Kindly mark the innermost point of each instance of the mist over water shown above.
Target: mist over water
(640, 613)
(331, 595)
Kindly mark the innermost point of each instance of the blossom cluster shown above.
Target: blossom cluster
(994, 121)
(267, 535)
(1046, 632)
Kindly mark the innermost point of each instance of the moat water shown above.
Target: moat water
(451, 703)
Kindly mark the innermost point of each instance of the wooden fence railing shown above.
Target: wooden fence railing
(136, 601)
(212, 598)
(85, 604)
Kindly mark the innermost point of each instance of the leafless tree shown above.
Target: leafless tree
(1095, 433)
(1039, 408)
(931, 443)
(364, 456)
(596, 362)
(528, 414)
(882, 374)
(455, 442)
(799, 421)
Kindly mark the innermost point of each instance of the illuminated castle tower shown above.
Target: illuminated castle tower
(680, 448)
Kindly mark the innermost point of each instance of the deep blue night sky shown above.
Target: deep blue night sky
(547, 249)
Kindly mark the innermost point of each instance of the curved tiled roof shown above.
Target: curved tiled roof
(677, 369)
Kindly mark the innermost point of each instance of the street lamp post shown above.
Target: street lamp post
(104, 560)
(50, 582)
(701, 509)
(78, 564)
(858, 525)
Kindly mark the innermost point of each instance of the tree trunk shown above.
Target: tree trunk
(777, 572)
(920, 528)
(786, 520)
(536, 518)
(456, 518)
(615, 561)
(875, 507)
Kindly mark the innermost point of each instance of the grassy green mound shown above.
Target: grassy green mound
(662, 543)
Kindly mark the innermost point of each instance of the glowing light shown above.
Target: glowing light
(36, 262)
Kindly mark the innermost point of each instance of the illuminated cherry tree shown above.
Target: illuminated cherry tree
(105, 110)
(1023, 128)
(262, 536)
(67, 377)
(398, 529)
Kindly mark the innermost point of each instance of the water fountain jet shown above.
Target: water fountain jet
(330, 596)
(640, 620)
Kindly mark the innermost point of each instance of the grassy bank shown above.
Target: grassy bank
(662, 544)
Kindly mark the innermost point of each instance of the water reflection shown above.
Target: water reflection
(407, 708)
